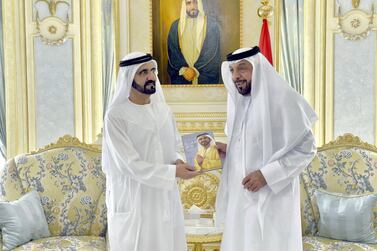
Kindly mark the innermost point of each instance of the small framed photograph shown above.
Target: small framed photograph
(201, 151)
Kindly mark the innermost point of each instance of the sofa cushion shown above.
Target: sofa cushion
(346, 170)
(71, 183)
(314, 243)
(348, 218)
(71, 243)
(22, 220)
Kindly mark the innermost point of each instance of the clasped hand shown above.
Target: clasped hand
(254, 181)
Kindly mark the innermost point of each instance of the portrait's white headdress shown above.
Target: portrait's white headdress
(201, 22)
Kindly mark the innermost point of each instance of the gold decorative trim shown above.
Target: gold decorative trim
(355, 3)
(217, 126)
(180, 115)
(203, 247)
(189, 122)
(198, 85)
(348, 140)
(52, 31)
(68, 141)
(200, 191)
(266, 10)
(192, 239)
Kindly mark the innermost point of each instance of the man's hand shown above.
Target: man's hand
(179, 161)
(254, 181)
(222, 149)
(199, 159)
(189, 74)
(185, 171)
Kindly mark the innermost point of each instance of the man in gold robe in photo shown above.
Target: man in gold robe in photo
(207, 157)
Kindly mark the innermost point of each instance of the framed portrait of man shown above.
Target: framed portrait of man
(192, 37)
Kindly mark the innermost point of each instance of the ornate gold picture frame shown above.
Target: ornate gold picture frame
(226, 15)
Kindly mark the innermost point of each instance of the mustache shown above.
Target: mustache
(193, 13)
(240, 82)
(150, 82)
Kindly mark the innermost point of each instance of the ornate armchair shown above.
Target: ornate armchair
(200, 192)
(68, 177)
(347, 166)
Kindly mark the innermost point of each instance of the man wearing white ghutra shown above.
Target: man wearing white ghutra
(141, 162)
(270, 142)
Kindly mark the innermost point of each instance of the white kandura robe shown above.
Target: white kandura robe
(139, 151)
(269, 130)
(282, 222)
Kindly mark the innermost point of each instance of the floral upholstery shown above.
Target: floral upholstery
(82, 243)
(314, 243)
(71, 185)
(10, 183)
(346, 166)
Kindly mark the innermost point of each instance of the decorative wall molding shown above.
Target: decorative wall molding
(355, 24)
(52, 29)
(191, 122)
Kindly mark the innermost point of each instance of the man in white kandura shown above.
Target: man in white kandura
(141, 163)
(269, 142)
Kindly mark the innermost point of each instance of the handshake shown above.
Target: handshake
(184, 170)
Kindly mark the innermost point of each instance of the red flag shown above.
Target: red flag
(265, 42)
